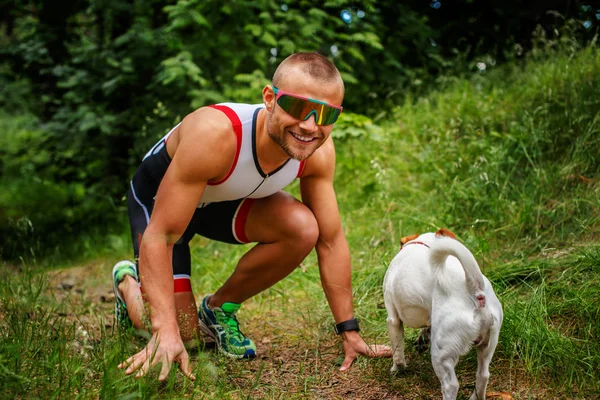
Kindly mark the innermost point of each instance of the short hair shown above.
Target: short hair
(313, 64)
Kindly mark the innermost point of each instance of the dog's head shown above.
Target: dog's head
(441, 232)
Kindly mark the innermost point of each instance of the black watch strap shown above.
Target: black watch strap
(350, 325)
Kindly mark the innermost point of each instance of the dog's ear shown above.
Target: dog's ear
(407, 239)
(445, 232)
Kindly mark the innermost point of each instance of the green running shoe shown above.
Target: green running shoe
(222, 325)
(120, 270)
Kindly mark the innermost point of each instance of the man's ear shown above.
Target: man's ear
(268, 97)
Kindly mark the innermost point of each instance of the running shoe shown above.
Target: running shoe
(120, 270)
(222, 325)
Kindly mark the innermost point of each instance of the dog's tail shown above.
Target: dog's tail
(446, 245)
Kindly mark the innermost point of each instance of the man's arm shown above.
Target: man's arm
(204, 152)
(316, 187)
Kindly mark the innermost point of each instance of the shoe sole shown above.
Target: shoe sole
(118, 298)
(206, 330)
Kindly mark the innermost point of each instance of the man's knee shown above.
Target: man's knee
(302, 228)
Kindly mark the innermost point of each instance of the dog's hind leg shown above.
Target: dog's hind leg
(484, 358)
(423, 340)
(396, 332)
(444, 363)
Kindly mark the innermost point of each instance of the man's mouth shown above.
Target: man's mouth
(302, 139)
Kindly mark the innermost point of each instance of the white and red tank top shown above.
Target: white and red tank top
(245, 178)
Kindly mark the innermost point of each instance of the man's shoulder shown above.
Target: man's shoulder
(206, 145)
(207, 123)
(234, 111)
(207, 128)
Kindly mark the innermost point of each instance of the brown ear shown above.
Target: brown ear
(407, 239)
(268, 97)
(445, 232)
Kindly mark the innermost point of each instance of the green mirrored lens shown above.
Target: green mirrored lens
(329, 115)
(292, 105)
(303, 109)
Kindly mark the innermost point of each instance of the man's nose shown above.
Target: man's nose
(310, 124)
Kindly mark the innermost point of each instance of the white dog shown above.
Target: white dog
(434, 282)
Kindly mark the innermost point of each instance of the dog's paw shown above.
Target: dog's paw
(396, 367)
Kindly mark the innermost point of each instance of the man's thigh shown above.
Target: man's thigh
(264, 220)
(223, 221)
(280, 217)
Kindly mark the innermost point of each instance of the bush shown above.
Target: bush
(38, 214)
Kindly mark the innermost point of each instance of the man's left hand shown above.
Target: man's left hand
(354, 345)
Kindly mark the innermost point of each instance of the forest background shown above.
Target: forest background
(94, 83)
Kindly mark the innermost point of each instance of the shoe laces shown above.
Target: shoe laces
(234, 328)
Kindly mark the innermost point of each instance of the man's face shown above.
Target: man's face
(300, 138)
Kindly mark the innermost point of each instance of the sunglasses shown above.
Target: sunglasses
(302, 107)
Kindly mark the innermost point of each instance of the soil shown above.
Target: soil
(300, 368)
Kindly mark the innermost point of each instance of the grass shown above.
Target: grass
(509, 161)
(552, 317)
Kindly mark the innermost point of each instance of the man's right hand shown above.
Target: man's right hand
(164, 348)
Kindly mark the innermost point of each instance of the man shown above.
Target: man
(220, 174)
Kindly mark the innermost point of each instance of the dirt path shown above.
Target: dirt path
(87, 294)
(293, 360)
(88, 297)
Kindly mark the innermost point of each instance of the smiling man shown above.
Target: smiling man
(220, 174)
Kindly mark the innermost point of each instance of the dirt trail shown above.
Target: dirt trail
(87, 295)
(88, 298)
(305, 367)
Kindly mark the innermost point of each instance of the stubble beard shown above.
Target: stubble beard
(285, 146)
(281, 140)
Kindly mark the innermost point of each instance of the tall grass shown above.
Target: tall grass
(48, 351)
(515, 163)
(552, 317)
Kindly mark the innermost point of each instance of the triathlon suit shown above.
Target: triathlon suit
(224, 206)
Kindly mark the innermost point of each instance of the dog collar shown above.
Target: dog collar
(406, 244)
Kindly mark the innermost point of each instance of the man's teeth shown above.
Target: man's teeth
(302, 139)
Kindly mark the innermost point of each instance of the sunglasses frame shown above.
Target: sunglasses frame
(279, 93)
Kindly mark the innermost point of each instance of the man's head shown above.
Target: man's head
(310, 87)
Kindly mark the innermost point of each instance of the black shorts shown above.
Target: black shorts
(223, 221)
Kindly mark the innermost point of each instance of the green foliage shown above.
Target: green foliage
(551, 325)
(107, 79)
(510, 161)
(38, 213)
(238, 45)
(351, 125)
